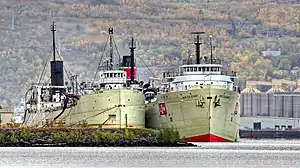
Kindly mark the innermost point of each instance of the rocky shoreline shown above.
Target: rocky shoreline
(89, 137)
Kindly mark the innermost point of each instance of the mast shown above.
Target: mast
(57, 68)
(111, 32)
(132, 46)
(53, 38)
(197, 44)
(107, 65)
(211, 49)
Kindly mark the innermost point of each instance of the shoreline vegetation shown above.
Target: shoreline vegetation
(90, 137)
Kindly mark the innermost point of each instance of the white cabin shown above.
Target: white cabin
(200, 74)
(40, 97)
(114, 79)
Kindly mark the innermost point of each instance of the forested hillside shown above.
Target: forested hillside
(241, 30)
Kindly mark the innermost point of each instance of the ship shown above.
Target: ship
(113, 99)
(201, 101)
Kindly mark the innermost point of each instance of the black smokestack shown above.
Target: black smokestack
(57, 68)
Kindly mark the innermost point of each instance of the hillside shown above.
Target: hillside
(241, 30)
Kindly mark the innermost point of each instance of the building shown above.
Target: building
(282, 100)
(269, 123)
(5, 116)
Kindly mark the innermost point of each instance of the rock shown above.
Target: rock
(81, 137)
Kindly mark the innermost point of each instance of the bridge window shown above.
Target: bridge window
(203, 69)
(199, 69)
(195, 69)
(215, 69)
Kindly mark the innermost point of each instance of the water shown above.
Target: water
(247, 153)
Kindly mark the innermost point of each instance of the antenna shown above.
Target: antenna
(111, 32)
(211, 49)
(197, 44)
(53, 36)
(58, 45)
(132, 46)
(13, 21)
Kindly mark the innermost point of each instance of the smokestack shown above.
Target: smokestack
(132, 47)
(57, 69)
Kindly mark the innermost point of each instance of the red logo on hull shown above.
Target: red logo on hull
(162, 109)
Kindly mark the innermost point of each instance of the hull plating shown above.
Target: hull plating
(205, 114)
(109, 108)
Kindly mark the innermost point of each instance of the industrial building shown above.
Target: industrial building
(270, 104)
(269, 123)
(276, 108)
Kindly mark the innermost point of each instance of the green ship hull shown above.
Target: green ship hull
(107, 108)
(207, 113)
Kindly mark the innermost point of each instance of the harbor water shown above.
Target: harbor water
(246, 153)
